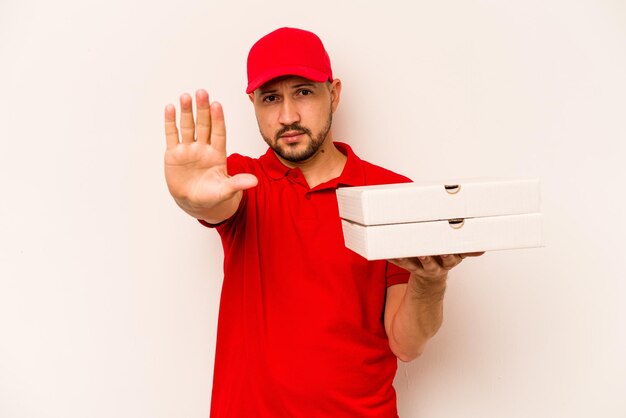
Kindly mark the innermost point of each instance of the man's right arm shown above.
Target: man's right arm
(195, 161)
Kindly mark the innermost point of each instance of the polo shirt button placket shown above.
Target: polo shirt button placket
(307, 196)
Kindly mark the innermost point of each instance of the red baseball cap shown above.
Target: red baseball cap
(287, 51)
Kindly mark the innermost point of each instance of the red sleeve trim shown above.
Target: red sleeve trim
(208, 225)
(396, 275)
(400, 278)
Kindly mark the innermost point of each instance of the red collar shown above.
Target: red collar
(352, 174)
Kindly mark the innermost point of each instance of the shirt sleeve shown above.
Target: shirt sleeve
(395, 274)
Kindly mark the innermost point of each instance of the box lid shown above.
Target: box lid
(431, 201)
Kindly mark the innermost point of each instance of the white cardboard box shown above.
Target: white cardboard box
(427, 201)
(440, 237)
(414, 219)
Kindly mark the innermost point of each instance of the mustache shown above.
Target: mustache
(293, 127)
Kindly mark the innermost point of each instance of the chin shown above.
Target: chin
(298, 153)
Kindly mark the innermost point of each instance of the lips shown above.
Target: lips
(291, 137)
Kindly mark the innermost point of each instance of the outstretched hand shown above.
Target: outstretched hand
(195, 159)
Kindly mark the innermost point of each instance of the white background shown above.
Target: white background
(109, 293)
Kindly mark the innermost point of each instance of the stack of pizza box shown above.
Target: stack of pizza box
(452, 217)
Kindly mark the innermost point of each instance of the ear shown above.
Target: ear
(251, 97)
(335, 93)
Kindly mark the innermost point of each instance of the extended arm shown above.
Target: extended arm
(414, 311)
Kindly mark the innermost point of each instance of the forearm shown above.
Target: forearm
(418, 317)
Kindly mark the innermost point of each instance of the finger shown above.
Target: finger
(410, 264)
(171, 131)
(187, 127)
(430, 265)
(203, 116)
(476, 254)
(217, 137)
(449, 261)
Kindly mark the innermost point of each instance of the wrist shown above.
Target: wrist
(427, 287)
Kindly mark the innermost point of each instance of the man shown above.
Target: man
(306, 327)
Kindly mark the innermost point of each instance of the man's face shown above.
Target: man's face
(295, 114)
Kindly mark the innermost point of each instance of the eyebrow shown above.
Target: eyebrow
(296, 86)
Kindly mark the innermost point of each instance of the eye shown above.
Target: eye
(305, 92)
(270, 98)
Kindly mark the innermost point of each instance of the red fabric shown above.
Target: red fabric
(300, 329)
(287, 51)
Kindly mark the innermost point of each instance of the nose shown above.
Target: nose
(288, 112)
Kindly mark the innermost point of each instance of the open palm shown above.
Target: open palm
(195, 159)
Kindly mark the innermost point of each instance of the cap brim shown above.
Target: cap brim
(306, 72)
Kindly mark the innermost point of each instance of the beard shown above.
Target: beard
(288, 152)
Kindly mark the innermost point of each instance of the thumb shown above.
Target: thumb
(241, 181)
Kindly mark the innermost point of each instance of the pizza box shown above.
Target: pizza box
(417, 219)
(428, 201)
(452, 236)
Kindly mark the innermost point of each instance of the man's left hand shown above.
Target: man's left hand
(432, 269)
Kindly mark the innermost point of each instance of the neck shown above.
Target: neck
(326, 164)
